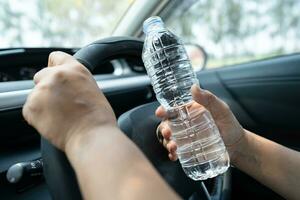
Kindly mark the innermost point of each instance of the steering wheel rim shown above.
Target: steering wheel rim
(58, 172)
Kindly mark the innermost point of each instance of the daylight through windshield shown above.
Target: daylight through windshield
(57, 23)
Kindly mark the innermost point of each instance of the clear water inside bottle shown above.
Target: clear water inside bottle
(168, 67)
(200, 148)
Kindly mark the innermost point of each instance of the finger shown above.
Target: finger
(209, 101)
(161, 112)
(165, 130)
(31, 107)
(26, 113)
(172, 156)
(41, 74)
(171, 146)
(59, 58)
(166, 133)
(201, 96)
(165, 143)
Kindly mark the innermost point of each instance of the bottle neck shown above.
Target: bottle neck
(153, 24)
(154, 27)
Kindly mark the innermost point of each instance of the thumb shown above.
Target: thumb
(59, 58)
(212, 103)
(201, 96)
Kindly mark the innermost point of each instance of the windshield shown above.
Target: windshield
(58, 23)
(234, 32)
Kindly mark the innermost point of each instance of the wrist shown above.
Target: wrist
(236, 150)
(81, 142)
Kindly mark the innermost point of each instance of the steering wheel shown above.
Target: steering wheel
(139, 124)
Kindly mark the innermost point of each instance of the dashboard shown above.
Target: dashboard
(21, 64)
(18, 73)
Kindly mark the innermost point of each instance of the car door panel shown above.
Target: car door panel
(268, 90)
(264, 95)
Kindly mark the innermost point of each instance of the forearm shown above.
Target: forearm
(272, 164)
(109, 166)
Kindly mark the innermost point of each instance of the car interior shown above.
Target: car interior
(258, 76)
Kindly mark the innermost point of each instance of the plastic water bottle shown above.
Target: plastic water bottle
(200, 148)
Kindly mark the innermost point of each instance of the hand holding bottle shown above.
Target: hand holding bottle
(230, 129)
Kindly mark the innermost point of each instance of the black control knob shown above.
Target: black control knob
(24, 170)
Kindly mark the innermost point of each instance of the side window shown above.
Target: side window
(234, 32)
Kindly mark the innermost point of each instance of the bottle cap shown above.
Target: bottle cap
(152, 23)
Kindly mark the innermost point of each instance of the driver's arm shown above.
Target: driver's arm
(67, 108)
(109, 166)
(270, 163)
